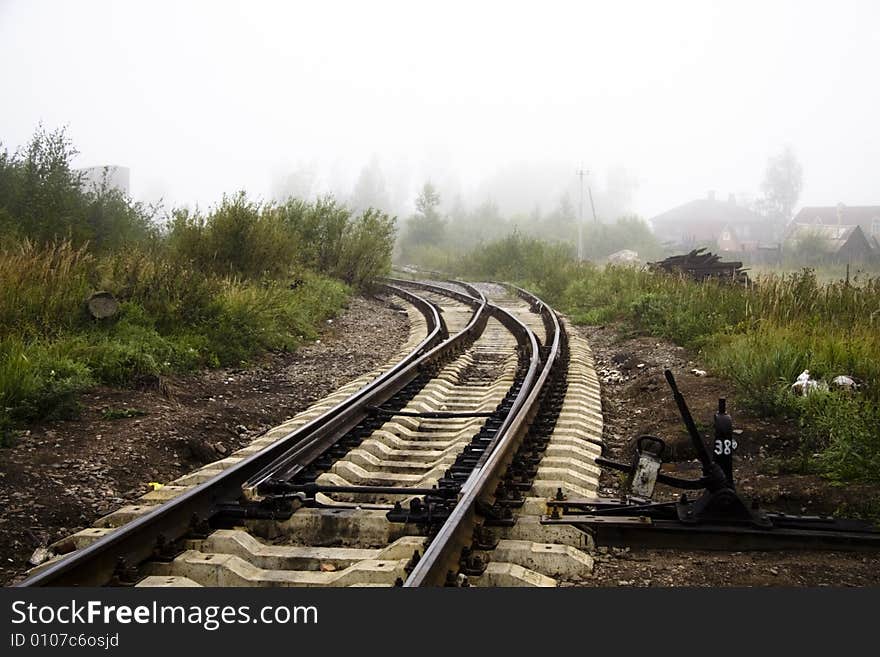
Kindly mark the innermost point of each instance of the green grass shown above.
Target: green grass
(760, 337)
(170, 320)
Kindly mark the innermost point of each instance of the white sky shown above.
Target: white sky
(202, 98)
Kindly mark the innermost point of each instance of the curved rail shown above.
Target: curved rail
(522, 332)
(443, 553)
(136, 541)
(300, 456)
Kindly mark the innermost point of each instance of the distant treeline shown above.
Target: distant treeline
(436, 240)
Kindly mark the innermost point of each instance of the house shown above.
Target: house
(867, 217)
(725, 225)
(837, 242)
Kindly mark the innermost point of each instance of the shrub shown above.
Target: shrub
(239, 238)
(43, 199)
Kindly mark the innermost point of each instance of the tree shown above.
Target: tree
(369, 190)
(782, 186)
(427, 201)
(298, 183)
(426, 228)
(42, 198)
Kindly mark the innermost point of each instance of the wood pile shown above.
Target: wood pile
(700, 265)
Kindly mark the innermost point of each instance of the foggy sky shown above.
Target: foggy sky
(204, 98)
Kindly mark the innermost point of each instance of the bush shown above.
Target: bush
(239, 238)
(545, 268)
(249, 240)
(44, 200)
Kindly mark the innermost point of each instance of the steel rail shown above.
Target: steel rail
(444, 552)
(301, 455)
(134, 542)
(522, 332)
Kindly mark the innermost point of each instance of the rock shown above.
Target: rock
(200, 450)
(102, 305)
(774, 571)
(844, 382)
(241, 429)
(40, 555)
(221, 449)
(697, 372)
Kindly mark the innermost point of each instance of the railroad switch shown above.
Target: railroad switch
(719, 518)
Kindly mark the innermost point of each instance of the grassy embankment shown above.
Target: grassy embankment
(761, 337)
(202, 290)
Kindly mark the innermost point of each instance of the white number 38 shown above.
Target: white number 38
(725, 446)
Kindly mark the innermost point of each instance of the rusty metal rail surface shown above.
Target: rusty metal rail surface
(443, 553)
(137, 540)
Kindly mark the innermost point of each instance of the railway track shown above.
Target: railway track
(434, 470)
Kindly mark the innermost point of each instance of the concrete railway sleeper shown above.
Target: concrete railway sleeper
(353, 491)
(495, 537)
(112, 550)
(345, 524)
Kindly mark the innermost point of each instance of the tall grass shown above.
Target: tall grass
(761, 336)
(42, 290)
(172, 318)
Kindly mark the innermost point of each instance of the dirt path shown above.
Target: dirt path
(61, 476)
(636, 400)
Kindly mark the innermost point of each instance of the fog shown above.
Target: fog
(659, 101)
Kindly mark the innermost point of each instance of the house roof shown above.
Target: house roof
(704, 218)
(704, 210)
(850, 215)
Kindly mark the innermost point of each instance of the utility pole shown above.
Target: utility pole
(580, 246)
(592, 206)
